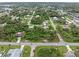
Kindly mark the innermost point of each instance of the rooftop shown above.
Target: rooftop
(14, 53)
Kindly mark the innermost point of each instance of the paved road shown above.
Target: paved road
(40, 44)
(32, 50)
(18, 39)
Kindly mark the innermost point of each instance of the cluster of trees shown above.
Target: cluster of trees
(13, 26)
(38, 20)
(38, 33)
(4, 19)
(42, 17)
(8, 32)
(20, 12)
(53, 14)
(42, 13)
(71, 34)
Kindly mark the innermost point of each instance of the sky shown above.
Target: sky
(39, 0)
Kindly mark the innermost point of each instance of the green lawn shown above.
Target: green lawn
(26, 51)
(50, 51)
(76, 50)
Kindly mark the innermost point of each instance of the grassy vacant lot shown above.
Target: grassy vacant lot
(70, 34)
(50, 51)
(38, 34)
(76, 50)
(5, 48)
(26, 51)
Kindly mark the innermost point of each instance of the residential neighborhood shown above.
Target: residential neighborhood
(39, 29)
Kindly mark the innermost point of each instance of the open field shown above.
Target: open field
(50, 51)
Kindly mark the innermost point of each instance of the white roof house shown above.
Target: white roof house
(0, 54)
(62, 17)
(37, 16)
(2, 25)
(55, 18)
(45, 24)
(28, 15)
(14, 53)
(31, 26)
